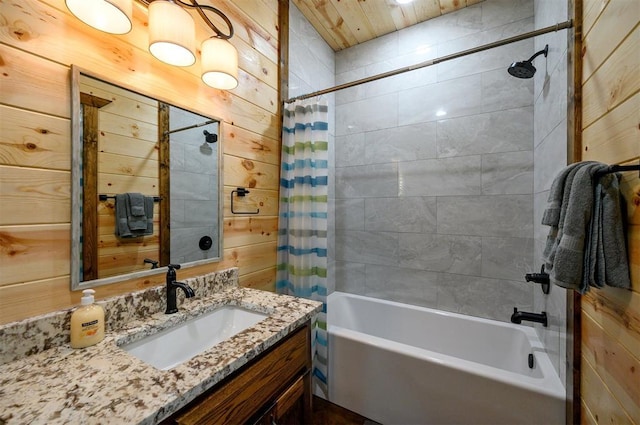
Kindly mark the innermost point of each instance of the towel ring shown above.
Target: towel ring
(241, 191)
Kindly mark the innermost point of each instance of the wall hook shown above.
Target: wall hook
(241, 191)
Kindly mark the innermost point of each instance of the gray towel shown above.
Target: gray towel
(555, 213)
(136, 217)
(606, 253)
(143, 226)
(551, 215)
(122, 226)
(587, 247)
(148, 208)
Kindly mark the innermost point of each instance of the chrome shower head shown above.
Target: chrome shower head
(525, 69)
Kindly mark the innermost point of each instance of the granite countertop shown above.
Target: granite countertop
(104, 384)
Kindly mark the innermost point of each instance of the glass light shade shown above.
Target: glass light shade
(219, 64)
(172, 33)
(112, 16)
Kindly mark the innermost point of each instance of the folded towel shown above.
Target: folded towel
(129, 226)
(606, 255)
(587, 246)
(556, 211)
(551, 216)
(136, 202)
(136, 217)
(567, 270)
(122, 226)
(148, 208)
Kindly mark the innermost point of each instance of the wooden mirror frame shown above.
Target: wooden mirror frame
(77, 201)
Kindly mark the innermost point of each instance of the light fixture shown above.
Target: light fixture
(219, 63)
(112, 16)
(171, 34)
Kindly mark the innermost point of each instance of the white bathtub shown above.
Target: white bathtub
(400, 364)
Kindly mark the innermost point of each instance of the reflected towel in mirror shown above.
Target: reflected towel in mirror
(129, 222)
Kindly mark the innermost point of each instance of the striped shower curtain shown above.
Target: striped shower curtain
(302, 229)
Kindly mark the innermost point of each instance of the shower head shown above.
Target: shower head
(525, 69)
(210, 138)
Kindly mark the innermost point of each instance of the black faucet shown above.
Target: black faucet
(172, 284)
(154, 264)
(519, 316)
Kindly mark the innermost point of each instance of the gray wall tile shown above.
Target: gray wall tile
(482, 297)
(349, 214)
(350, 277)
(410, 214)
(502, 131)
(416, 287)
(447, 176)
(507, 258)
(441, 253)
(350, 150)
(367, 115)
(500, 93)
(507, 173)
(497, 215)
(453, 98)
(406, 143)
(367, 247)
(367, 181)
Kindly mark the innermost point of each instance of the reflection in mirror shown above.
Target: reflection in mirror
(194, 186)
(146, 184)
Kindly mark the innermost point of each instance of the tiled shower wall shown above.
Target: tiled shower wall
(434, 168)
(194, 188)
(550, 154)
(311, 68)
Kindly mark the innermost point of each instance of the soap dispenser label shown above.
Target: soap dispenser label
(89, 328)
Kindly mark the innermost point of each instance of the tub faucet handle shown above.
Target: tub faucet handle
(542, 278)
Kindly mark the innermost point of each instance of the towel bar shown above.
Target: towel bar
(104, 197)
(616, 168)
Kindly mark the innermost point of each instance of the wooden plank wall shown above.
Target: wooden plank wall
(39, 40)
(610, 363)
(127, 162)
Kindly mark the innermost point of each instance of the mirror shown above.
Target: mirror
(146, 184)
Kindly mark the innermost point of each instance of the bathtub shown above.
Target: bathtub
(400, 364)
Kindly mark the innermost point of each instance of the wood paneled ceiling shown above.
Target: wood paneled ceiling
(345, 23)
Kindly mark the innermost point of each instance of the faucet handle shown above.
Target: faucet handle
(174, 266)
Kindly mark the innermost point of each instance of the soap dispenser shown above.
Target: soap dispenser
(87, 322)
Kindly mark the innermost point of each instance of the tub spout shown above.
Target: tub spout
(518, 316)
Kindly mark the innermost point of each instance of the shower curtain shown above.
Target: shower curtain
(302, 227)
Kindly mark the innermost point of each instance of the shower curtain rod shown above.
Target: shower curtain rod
(552, 28)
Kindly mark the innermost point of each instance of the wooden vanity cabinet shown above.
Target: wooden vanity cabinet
(274, 388)
(289, 408)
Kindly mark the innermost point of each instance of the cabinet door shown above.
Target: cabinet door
(294, 405)
(268, 418)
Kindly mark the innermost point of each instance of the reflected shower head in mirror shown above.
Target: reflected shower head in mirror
(210, 138)
(526, 69)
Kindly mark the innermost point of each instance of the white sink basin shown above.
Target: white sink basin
(171, 347)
